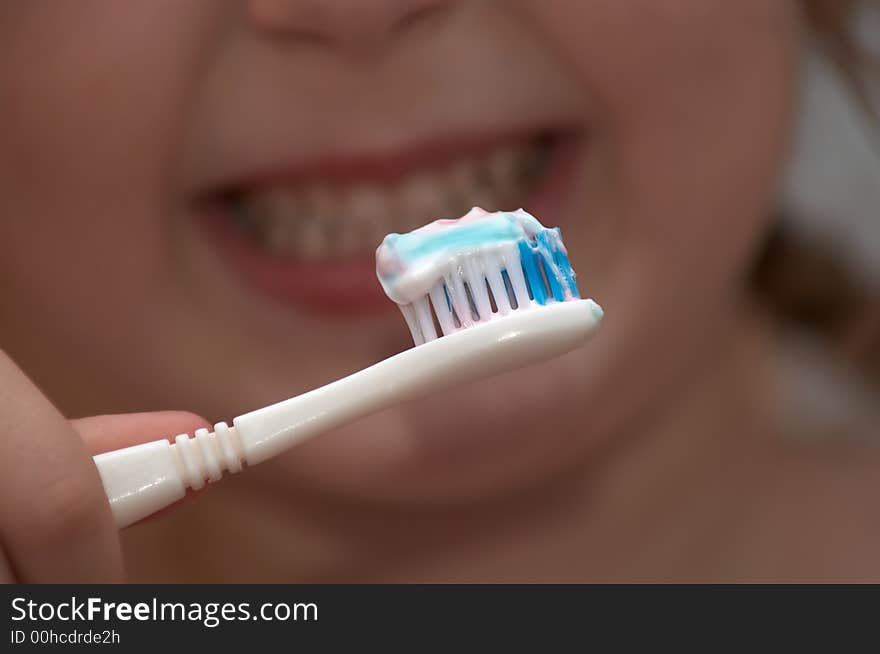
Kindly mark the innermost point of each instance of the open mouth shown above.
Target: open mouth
(307, 236)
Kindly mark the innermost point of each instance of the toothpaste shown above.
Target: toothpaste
(409, 265)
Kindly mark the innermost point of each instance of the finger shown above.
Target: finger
(6, 575)
(55, 521)
(111, 432)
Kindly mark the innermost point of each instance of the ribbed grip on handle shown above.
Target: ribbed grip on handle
(143, 479)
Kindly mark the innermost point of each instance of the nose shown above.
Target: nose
(344, 23)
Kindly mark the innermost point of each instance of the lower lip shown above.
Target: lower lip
(344, 288)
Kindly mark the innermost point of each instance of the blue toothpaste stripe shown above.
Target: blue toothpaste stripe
(533, 273)
(546, 247)
(561, 258)
(405, 262)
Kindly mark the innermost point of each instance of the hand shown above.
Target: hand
(55, 521)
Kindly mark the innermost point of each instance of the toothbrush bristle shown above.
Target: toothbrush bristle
(454, 274)
(492, 282)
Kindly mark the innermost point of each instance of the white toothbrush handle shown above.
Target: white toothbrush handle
(143, 479)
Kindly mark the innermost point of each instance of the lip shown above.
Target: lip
(343, 288)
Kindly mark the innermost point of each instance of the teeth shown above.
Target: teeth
(463, 177)
(311, 239)
(470, 180)
(421, 198)
(320, 221)
(264, 212)
(504, 171)
(370, 213)
(320, 212)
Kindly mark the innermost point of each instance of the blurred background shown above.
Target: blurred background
(832, 197)
(833, 189)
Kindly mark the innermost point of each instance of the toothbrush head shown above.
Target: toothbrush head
(451, 275)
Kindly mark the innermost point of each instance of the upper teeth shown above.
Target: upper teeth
(319, 221)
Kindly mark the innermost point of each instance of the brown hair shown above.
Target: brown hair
(800, 281)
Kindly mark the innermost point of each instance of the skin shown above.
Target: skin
(653, 453)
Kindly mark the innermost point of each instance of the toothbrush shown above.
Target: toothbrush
(498, 286)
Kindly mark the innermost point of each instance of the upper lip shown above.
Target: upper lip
(382, 163)
(383, 166)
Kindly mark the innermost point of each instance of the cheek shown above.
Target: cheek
(86, 146)
(692, 105)
(86, 150)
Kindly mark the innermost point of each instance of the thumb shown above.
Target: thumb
(111, 432)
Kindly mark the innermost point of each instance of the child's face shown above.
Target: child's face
(192, 193)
